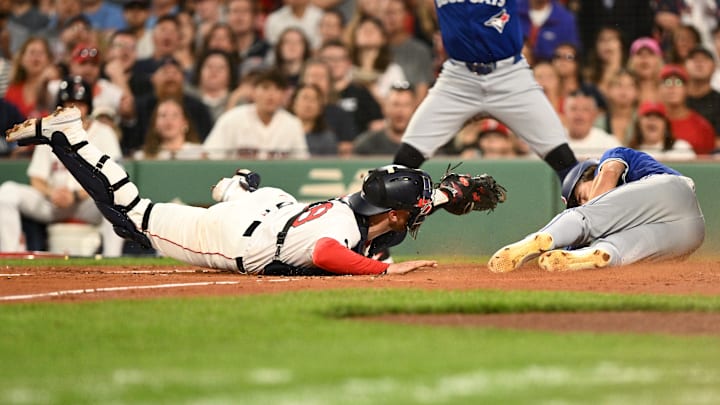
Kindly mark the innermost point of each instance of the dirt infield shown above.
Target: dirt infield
(69, 284)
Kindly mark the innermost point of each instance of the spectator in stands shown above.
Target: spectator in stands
(213, 80)
(398, 108)
(136, 13)
(622, 98)
(633, 18)
(85, 61)
(121, 57)
(412, 55)
(684, 39)
(548, 78)
(105, 16)
(487, 138)
(352, 97)
(161, 8)
(31, 71)
(9, 116)
(344, 7)
(5, 62)
(185, 52)
(372, 58)
(546, 24)
(702, 15)
(700, 65)
(331, 26)
(307, 103)
(685, 123)
(291, 52)
(586, 141)
(167, 82)
(166, 41)
(253, 49)
(301, 14)
(26, 20)
(53, 195)
(340, 122)
(261, 130)
(243, 93)
(652, 134)
(77, 30)
(207, 14)
(567, 62)
(221, 38)
(171, 135)
(608, 57)
(715, 82)
(363, 9)
(64, 11)
(646, 61)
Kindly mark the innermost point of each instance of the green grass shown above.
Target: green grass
(299, 348)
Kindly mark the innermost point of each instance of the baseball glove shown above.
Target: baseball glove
(471, 193)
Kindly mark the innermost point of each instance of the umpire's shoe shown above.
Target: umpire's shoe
(243, 180)
(36, 131)
(514, 255)
(570, 260)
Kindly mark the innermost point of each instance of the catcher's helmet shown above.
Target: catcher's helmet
(571, 180)
(74, 88)
(395, 187)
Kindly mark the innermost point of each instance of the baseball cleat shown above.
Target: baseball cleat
(571, 260)
(35, 131)
(243, 180)
(514, 255)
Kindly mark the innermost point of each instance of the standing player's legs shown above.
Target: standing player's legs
(455, 98)
(516, 99)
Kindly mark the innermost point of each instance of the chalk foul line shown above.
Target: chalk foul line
(111, 289)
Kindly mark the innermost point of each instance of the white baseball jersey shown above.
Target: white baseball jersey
(240, 130)
(247, 228)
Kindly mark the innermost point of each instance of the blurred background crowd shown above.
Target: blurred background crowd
(299, 79)
(273, 79)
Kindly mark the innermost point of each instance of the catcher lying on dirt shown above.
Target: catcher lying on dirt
(264, 230)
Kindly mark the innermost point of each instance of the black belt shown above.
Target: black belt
(480, 68)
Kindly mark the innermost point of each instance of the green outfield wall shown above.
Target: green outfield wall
(533, 194)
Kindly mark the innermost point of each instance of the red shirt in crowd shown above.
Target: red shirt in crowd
(696, 130)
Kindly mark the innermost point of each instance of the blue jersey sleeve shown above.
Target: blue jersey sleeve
(639, 164)
(480, 30)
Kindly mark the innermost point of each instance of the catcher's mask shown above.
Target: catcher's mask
(572, 179)
(395, 187)
(74, 88)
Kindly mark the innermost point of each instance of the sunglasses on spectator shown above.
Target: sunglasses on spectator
(88, 53)
(564, 56)
(402, 86)
(673, 82)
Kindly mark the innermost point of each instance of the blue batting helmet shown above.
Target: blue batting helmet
(571, 180)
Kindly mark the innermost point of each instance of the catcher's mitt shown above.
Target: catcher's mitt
(471, 193)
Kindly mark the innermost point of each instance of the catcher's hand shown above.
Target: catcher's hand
(471, 193)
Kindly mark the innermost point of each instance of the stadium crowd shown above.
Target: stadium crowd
(298, 79)
(272, 79)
